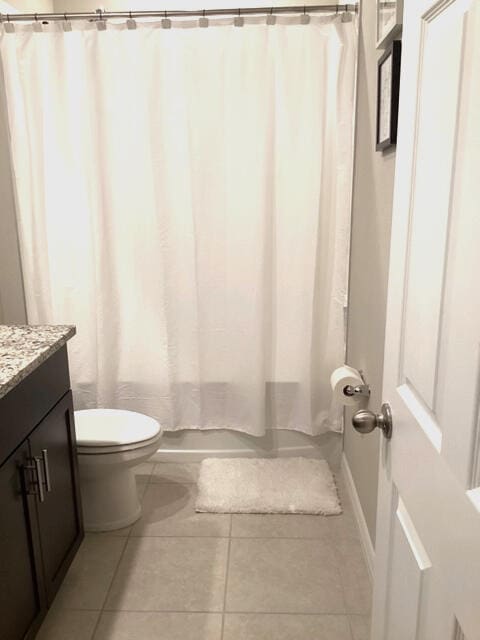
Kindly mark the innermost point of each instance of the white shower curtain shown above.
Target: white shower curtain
(183, 198)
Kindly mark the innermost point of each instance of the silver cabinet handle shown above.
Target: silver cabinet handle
(37, 481)
(38, 470)
(46, 470)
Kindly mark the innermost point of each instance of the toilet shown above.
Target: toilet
(110, 443)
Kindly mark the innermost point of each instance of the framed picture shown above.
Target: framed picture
(388, 90)
(389, 20)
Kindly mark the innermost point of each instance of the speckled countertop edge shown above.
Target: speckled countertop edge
(23, 348)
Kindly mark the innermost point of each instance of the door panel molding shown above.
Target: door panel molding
(425, 418)
(432, 186)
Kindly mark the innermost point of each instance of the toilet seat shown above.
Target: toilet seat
(83, 449)
(103, 431)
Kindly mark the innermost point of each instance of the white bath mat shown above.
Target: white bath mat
(280, 485)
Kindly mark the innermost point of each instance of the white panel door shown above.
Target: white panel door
(427, 573)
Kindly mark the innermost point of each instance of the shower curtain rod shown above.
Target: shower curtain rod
(105, 15)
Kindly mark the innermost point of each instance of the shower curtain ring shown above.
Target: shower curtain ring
(238, 20)
(271, 19)
(9, 28)
(131, 24)
(203, 21)
(304, 18)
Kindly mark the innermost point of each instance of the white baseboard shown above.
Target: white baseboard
(197, 455)
(365, 539)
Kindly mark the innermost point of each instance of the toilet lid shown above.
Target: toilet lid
(107, 427)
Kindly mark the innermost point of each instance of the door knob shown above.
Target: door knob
(366, 421)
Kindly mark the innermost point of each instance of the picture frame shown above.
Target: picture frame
(389, 18)
(388, 91)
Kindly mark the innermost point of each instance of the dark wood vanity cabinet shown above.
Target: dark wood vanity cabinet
(40, 511)
(22, 599)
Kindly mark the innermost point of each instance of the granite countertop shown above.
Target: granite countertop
(24, 347)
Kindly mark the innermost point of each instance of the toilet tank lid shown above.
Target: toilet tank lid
(107, 427)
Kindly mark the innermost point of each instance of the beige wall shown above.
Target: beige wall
(12, 308)
(26, 6)
(151, 5)
(371, 218)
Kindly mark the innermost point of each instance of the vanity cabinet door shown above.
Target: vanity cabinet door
(22, 600)
(52, 445)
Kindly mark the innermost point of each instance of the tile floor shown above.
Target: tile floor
(176, 574)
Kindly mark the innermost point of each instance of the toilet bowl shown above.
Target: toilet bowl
(110, 443)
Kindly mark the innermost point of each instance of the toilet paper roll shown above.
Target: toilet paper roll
(342, 377)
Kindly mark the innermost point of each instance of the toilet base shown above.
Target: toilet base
(109, 500)
(107, 483)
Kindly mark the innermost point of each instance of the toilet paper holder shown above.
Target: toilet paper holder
(359, 390)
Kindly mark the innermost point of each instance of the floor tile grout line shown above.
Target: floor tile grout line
(301, 614)
(176, 482)
(226, 577)
(127, 538)
(233, 612)
(342, 586)
(109, 588)
(350, 628)
(96, 624)
(332, 543)
(223, 537)
(171, 482)
(218, 613)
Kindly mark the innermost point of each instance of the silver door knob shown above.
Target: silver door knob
(366, 421)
